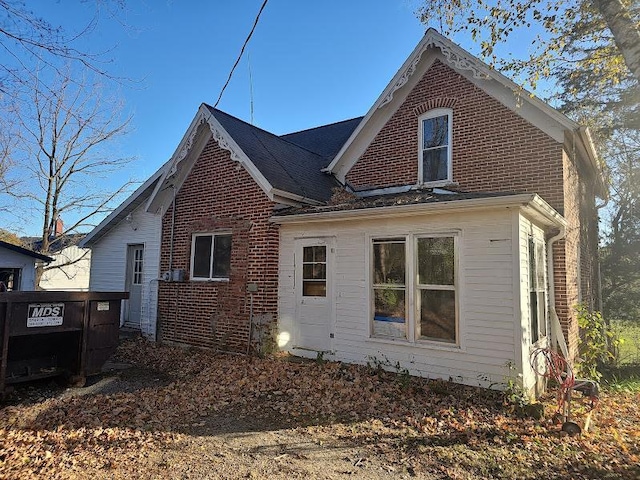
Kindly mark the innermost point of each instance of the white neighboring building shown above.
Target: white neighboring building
(18, 266)
(74, 274)
(125, 256)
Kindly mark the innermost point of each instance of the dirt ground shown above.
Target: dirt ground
(168, 412)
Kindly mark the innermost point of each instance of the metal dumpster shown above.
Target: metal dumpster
(46, 334)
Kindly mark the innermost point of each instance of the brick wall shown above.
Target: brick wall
(493, 149)
(217, 195)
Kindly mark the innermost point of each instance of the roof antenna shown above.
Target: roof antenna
(250, 89)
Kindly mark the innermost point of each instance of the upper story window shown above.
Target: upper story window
(435, 146)
(210, 256)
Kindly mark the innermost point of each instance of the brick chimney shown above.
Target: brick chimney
(59, 227)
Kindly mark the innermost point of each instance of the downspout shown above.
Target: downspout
(557, 337)
(173, 224)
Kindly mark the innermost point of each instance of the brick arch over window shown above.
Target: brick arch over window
(432, 104)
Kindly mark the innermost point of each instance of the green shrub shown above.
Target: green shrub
(597, 343)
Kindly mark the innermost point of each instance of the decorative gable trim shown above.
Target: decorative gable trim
(453, 56)
(435, 46)
(442, 102)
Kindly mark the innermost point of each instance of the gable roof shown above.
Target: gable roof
(434, 45)
(137, 198)
(287, 166)
(325, 140)
(25, 251)
(289, 169)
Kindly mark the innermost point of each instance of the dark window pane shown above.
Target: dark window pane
(389, 313)
(436, 261)
(388, 263)
(317, 253)
(533, 313)
(314, 271)
(202, 257)
(222, 256)
(435, 164)
(438, 315)
(435, 132)
(311, 288)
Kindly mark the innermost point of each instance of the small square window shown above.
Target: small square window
(210, 256)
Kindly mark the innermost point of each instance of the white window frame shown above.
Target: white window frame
(412, 289)
(193, 252)
(542, 333)
(454, 288)
(438, 112)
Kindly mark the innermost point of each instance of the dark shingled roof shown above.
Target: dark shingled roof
(286, 166)
(326, 140)
(56, 244)
(412, 197)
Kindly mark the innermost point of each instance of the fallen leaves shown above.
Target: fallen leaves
(446, 430)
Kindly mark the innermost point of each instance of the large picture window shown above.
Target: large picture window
(210, 256)
(435, 146)
(430, 279)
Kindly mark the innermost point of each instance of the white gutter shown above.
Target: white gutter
(412, 209)
(556, 329)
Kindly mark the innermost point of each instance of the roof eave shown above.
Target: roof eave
(112, 219)
(532, 201)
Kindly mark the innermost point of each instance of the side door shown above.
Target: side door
(314, 294)
(133, 285)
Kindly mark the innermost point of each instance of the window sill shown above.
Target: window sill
(209, 280)
(540, 343)
(438, 183)
(423, 344)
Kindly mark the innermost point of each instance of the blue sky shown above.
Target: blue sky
(311, 63)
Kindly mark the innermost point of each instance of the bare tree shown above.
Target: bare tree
(66, 142)
(27, 38)
(30, 43)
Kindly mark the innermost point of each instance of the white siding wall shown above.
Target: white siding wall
(10, 259)
(71, 277)
(109, 257)
(487, 297)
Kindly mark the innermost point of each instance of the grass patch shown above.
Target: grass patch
(629, 350)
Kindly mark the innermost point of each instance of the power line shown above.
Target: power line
(255, 23)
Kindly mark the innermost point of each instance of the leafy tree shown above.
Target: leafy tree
(493, 23)
(621, 250)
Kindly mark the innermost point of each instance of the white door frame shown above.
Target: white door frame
(328, 300)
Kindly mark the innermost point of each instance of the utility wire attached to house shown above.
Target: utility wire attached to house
(255, 23)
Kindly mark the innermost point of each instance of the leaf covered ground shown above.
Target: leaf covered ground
(184, 413)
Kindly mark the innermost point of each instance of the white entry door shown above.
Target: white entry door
(314, 299)
(135, 262)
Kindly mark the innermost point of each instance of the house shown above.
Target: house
(70, 268)
(18, 267)
(125, 256)
(449, 231)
